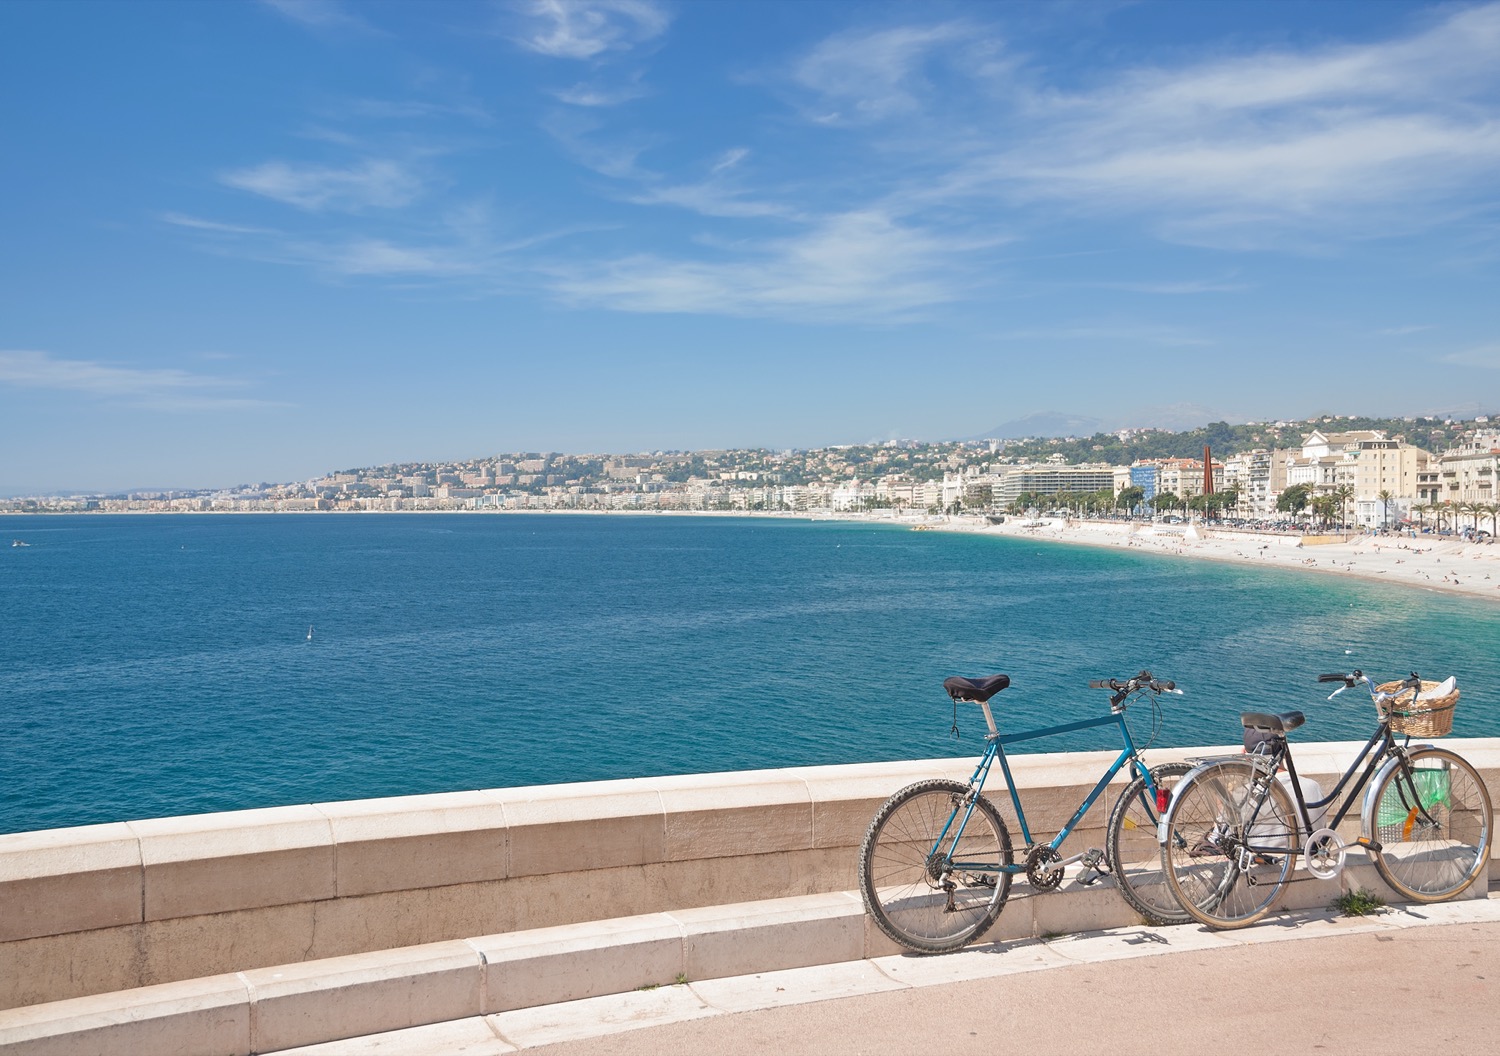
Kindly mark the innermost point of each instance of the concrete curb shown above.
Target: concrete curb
(517, 973)
(590, 1018)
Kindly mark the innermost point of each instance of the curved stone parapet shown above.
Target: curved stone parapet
(105, 908)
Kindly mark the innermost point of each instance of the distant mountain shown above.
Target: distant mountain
(1045, 423)
(1177, 418)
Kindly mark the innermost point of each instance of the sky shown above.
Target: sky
(262, 241)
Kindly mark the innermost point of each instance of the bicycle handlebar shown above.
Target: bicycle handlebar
(1349, 680)
(1130, 685)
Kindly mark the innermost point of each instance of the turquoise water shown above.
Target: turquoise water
(159, 665)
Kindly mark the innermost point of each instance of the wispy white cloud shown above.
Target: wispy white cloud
(862, 76)
(167, 389)
(596, 94)
(320, 14)
(410, 110)
(854, 265)
(1487, 356)
(730, 159)
(1247, 147)
(372, 183)
(1402, 331)
(587, 29)
(213, 226)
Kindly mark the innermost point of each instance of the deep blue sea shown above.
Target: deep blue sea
(160, 665)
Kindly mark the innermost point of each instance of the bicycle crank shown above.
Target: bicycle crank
(1044, 867)
(1324, 854)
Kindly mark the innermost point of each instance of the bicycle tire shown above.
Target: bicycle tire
(906, 873)
(1133, 854)
(1434, 830)
(1210, 838)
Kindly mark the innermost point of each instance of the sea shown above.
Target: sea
(156, 665)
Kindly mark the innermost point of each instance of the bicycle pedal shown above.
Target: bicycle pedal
(1368, 844)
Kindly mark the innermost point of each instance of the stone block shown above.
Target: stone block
(368, 993)
(575, 828)
(767, 936)
(728, 815)
(721, 881)
(75, 964)
(414, 842)
(188, 947)
(205, 1017)
(549, 965)
(214, 863)
(64, 880)
(409, 918)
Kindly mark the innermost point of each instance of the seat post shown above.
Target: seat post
(989, 719)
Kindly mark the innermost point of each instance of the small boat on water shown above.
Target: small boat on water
(309, 632)
(18, 542)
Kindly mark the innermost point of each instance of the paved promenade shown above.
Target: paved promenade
(1408, 980)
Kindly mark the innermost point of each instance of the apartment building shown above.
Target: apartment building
(1014, 481)
(1467, 474)
(1385, 480)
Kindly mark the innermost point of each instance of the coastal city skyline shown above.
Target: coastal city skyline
(252, 241)
(1363, 472)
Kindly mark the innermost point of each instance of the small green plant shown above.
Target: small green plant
(681, 980)
(1359, 903)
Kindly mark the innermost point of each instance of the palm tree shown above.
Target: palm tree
(1385, 498)
(1341, 496)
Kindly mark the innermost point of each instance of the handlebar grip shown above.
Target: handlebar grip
(1165, 684)
(1333, 678)
(1098, 683)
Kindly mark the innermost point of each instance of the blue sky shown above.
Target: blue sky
(264, 240)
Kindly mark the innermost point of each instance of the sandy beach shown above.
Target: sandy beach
(1428, 562)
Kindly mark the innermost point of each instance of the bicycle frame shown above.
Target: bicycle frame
(1378, 749)
(995, 749)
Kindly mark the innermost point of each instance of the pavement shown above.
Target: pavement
(1408, 979)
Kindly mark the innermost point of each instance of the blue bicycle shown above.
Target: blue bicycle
(937, 861)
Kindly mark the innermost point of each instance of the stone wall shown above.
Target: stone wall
(104, 908)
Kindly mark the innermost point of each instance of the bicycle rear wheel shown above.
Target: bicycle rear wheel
(1133, 854)
(930, 886)
(1433, 826)
(1232, 840)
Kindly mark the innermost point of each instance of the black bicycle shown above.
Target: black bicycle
(1233, 832)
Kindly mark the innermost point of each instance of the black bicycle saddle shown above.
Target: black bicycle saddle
(978, 690)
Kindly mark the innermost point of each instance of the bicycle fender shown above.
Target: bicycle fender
(1201, 763)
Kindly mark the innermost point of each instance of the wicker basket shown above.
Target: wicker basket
(1418, 718)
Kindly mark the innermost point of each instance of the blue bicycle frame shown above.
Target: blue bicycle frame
(995, 748)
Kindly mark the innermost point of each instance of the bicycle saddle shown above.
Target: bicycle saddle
(1287, 720)
(978, 690)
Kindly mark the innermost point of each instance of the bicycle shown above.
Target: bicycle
(1233, 831)
(936, 864)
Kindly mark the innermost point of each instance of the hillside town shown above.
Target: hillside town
(1367, 478)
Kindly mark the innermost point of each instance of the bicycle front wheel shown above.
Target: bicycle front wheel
(1231, 842)
(1133, 854)
(932, 880)
(1432, 825)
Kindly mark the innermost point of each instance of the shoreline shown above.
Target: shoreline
(1441, 565)
(1438, 564)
